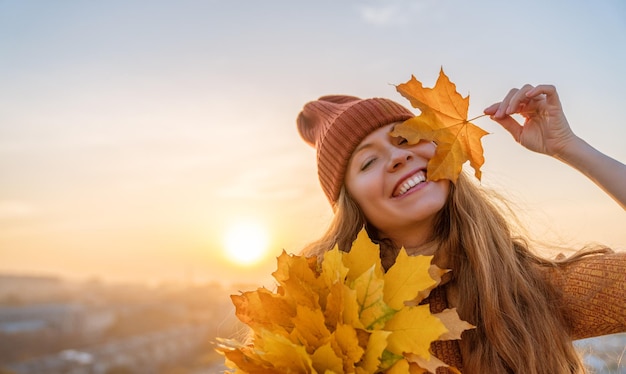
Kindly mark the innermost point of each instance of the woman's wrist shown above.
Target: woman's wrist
(574, 152)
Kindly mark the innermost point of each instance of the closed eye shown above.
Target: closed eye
(367, 164)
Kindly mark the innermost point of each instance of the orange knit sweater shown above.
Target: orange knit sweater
(592, 290)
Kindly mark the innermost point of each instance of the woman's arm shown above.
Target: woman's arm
(546, 130)
(592, 294)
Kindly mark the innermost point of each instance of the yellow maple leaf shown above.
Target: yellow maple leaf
(240, 358)
(345, 316)
(345, 341)
(326, 360)
(342, 307)
(376, 345)
(373, 311)
(284, 354)
(413, 329)
(333, 269)
(443, 119)
(297, 280)
(400, 367)
(363, 256)
(351, 308)
(408, 276)
(429, 364)
(312, 331)
(262, 307)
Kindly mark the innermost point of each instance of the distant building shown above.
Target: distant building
(27, 288)
(62, 318)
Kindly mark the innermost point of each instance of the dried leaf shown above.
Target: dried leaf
(454, 324)
(443, 119)
(429, 364)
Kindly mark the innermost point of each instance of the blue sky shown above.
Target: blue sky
(133, 133)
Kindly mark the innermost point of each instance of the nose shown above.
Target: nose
(398, 157)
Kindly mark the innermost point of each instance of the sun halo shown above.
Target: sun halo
(246, 243)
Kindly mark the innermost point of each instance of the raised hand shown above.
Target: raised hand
(545, 129)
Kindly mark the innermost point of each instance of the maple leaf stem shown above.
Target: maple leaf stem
(477, 117)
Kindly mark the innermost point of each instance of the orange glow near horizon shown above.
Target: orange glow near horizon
(246, 243)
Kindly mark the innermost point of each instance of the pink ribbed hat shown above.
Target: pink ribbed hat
(336, 124)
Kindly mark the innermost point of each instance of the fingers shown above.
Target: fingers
(514, 102)
(531, 102)
(510, 104)
(520, 100)
(545, 90)
(491, 110)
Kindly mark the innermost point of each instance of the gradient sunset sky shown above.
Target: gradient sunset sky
(134, 134)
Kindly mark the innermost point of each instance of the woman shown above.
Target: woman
(527, 309)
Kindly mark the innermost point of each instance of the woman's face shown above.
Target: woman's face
(387, 178)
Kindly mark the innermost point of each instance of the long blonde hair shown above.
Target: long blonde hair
(520, 326)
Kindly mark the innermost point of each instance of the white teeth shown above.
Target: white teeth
(411, 182)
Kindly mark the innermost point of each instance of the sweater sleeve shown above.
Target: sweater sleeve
(593, 294)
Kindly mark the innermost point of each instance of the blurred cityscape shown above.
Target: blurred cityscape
(52, 325)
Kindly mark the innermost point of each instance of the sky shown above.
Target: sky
(135, 134)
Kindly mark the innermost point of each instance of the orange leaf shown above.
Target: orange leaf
(261, 308)
(298, 281)
(443, 119)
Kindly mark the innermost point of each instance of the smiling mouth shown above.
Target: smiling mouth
(410, 183)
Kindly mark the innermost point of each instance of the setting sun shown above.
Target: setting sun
(246, 243)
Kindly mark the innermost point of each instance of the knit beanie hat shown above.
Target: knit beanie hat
(335, 125)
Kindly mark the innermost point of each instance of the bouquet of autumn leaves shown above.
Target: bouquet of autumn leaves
(343, 314)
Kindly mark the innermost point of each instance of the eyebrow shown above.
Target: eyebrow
(361, 148)
(370, 145)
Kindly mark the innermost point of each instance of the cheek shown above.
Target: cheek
(444, 188)
(362, 188)
(425, 149)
